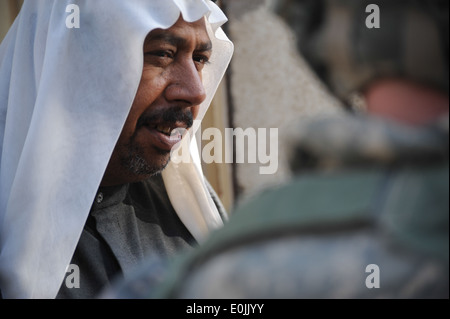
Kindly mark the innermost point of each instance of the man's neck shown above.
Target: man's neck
(406, 102)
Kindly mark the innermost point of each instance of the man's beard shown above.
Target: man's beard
(135, 161)
(136, 164)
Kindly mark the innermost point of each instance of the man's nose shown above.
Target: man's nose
(186, 85)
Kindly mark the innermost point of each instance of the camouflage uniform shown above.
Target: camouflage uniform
(381, 198)
(367, 214)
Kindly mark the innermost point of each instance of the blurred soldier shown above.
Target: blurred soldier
(367, 214)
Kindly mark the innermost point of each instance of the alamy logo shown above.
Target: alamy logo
(373, 279)
(72, 276)
(73, 19)
(373, 19)
(251, 146)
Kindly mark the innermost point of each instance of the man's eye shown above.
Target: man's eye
(201, 60)
(159, 56)
(161, 53)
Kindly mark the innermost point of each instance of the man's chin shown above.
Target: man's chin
(160, 169)
(143, 169)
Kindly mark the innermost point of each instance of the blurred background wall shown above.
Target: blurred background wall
(268, 85)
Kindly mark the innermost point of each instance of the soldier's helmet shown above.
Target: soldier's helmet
(350, 43)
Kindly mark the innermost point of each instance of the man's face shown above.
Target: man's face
(168, 97)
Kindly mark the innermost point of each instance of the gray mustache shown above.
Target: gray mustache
(168, 116)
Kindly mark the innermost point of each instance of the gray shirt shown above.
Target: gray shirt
(126, 224)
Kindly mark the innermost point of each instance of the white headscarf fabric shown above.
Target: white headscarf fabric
(65, 94)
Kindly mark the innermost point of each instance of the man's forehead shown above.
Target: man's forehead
(182, 33)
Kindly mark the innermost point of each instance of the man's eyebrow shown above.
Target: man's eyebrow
(177, 41)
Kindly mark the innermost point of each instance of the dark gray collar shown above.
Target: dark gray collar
(109, 196)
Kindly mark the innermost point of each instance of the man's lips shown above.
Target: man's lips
(165, 135)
